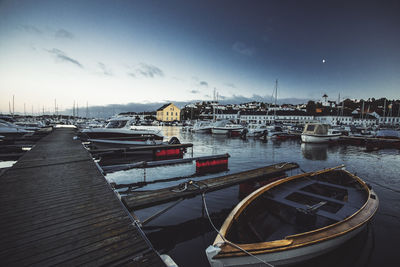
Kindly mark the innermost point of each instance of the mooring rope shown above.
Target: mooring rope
(281, 166)
(227, 241)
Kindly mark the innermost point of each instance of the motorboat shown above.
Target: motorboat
(362, 132)
(202, 127)
(119, 132)
(388, 134)
(274, 131)
(256, 130)
(30, 125)
(294, 219)
(226, 127)
(11, 131)
(318, 133)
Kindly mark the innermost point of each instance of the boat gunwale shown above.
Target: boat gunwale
(322, 135)
(265, 247)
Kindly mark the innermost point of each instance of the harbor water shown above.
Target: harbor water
(184, 232)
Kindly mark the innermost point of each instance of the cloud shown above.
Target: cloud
(61, 33)
(230, 85)
(194, 91)
(207, 96)
(149, 71)
(30, 29)
(243, 49)
(61, 56)
(204, 83)
(104, 69)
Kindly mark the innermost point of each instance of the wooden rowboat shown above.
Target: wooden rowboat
(294, 219)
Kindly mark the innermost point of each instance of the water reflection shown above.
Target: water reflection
(355, 252)
(315, 151)
(166, 237)
(185, 234)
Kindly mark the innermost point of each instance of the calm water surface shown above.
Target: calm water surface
(184, 231)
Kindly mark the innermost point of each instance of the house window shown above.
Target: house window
(167, 113)
(176, 113)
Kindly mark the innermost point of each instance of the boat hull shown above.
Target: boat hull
(104, 143)
(201, 130)
(217, 130)
(286, 257)
(308, 228)
(309, 138)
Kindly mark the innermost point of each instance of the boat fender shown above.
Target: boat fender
(169, 262)
(211, 252)
(243, 133)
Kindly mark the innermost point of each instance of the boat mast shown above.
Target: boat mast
(362, 111)
(214, 105)
(384, 111)
(276, 96)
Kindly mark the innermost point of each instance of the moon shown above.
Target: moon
(323, 61)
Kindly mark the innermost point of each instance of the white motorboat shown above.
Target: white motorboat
(202, 127)
(294, 219)
(274, 131)
(30, 125)
(11, 131)
(225, 127)
(256, 130)
(318, 133)
(119, 132)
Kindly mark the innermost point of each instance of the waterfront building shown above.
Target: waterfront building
(395, 121)
(259, 117)
(227, 115)
(364, 120)
(291, 117)
(168, 112)
(334, 119)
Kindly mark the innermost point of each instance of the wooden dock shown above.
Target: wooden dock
(143, 199)
(58, 209)
(370, 143)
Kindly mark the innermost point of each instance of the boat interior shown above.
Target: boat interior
(298, 206)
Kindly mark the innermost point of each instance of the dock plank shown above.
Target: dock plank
(142, 199)
(58, 209)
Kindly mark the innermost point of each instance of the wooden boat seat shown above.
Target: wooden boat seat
(354, 194)
(296, 205)
(355, 198)
(348, 208)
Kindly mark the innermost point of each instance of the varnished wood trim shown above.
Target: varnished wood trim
(247, 200)
(356, 220)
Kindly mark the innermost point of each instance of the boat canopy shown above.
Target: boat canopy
(119, 122)
(316, 128)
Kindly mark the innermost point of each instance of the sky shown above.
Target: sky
(126, 51)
